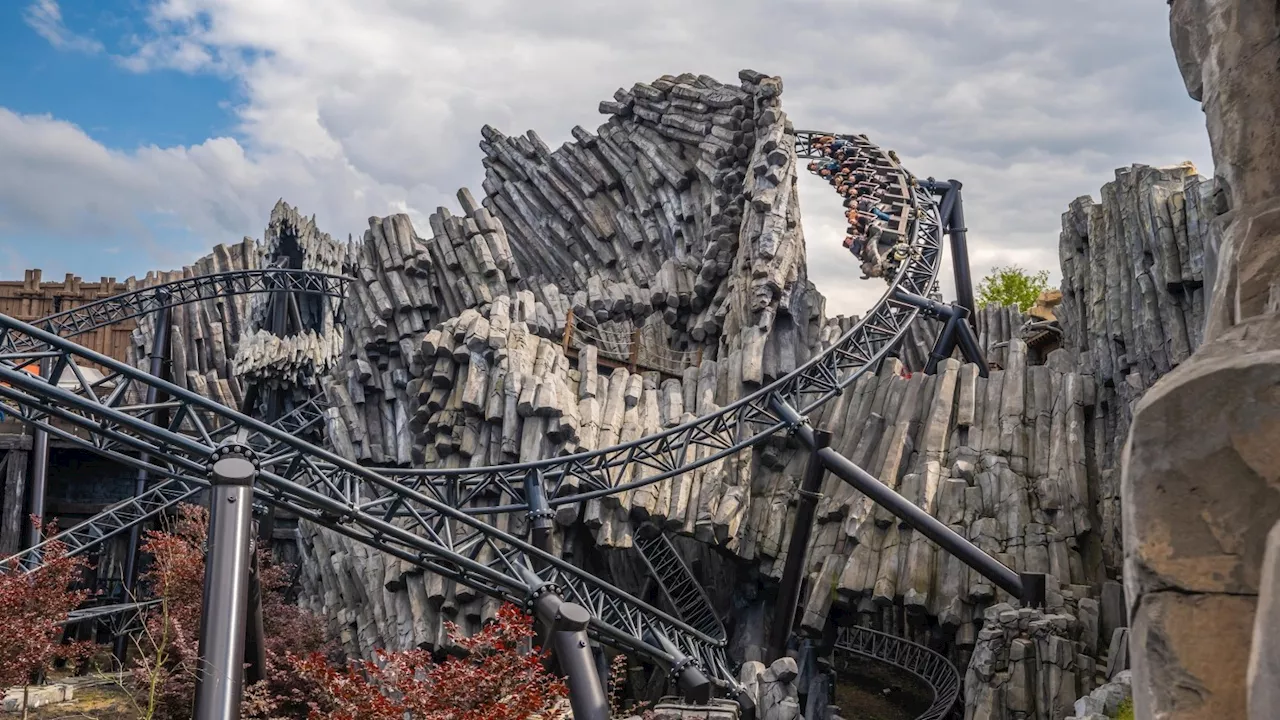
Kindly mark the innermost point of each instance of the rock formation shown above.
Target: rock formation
(1199, 488)
(218, 347)
(453, 365)
(678, 222)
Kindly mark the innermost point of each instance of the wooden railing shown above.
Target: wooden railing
(618, 344)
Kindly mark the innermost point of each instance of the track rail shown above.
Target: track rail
(933, 669)
(425, 517)
(125, 306)
(176, 487)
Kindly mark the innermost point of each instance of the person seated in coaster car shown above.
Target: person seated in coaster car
(813, 166)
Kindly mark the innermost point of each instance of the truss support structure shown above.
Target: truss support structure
(224, 614)
(793, 568)
(159, 358)
(567, 625)
(39, 467)
(952, 215)
(955, 331)
(1029, 588)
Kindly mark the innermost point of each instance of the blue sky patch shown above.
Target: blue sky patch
(118, 107)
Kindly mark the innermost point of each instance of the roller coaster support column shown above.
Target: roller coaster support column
(793, 570)
(1027, 587)
(540, 513)
(954, 332)
(952, 215)
(224, 615)
(255, 643)
(568, 623)
(684, 671)
(159, 356)
(39, 467)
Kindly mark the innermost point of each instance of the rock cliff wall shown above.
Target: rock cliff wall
(1199, 486)
(679, 217)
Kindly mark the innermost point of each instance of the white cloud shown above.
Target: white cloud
(358, 108)
(45, 17)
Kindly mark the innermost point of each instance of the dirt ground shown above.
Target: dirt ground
(103, 702)
(861, 693)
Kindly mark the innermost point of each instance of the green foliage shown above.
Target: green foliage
(1125, 711)
(1012, 285)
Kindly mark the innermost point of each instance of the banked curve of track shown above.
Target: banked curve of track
(333, 490)
(142, 301)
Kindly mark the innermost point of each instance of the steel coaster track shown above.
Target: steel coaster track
(332, 489)
(663, 455)
(932, 668)
(118, 308)
(177, 487)
(486, 559)
(676, 582)
(125, 306)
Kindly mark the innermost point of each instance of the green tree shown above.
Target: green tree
(1012, 285)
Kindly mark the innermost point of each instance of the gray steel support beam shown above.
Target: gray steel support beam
(220, 675)
(908, 512)
(39, 467)
(962, 333)
(159, 356)
(943, 346)
(793, 568)
(958, 233)
(568, 623)
(255, 644)
(686, 673)
(540, 514)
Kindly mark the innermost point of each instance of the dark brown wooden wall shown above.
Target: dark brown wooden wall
(31, 298)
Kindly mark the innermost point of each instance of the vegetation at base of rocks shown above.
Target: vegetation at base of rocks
(162, 682)
(33, 606)
(1125, 711)
(493, 680)
(1012, 285)
(498, 675)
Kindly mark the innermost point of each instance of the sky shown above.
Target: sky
(137, 134)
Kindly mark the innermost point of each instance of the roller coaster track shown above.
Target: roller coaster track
(136, 303)
(933, 669)
(426, 517)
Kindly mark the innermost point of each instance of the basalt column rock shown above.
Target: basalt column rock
(1133, 307)
(293, 358)
(688, 193)
(1200, 489)
(204, 337)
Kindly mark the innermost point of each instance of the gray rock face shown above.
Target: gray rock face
(1133, 272)
(1105, 700)
(458, 351)
(1026, 664)
(1264, 654)
(218, 348)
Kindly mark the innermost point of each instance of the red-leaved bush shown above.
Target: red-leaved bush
(163, 680)
(33, 606)
(495, 680)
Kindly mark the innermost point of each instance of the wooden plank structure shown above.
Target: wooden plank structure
(639, 352)
(32, 298)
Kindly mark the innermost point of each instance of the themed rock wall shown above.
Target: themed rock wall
(1133, 308)
(218, 346)
(1199, 486)
(454, 355)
